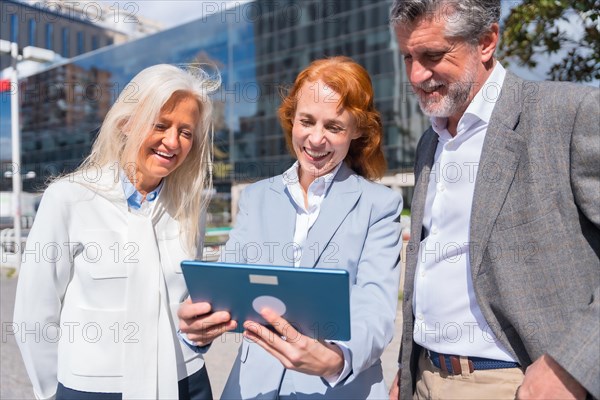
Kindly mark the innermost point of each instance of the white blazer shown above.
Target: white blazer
(358, 229)
(100, 287)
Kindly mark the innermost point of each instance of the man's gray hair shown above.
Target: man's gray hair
(465, 19)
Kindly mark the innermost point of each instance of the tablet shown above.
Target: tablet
(316, 301)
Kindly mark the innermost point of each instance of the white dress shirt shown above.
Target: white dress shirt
(447, 317)
(306, 215)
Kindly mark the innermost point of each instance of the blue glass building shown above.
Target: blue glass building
(258, 47)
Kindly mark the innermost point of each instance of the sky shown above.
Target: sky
(174, 12)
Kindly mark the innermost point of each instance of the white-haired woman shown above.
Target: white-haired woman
(100, 281)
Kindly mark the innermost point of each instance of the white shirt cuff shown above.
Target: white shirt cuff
(192, 345)
(335, 380)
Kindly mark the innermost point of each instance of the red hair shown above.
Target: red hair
(352, 82)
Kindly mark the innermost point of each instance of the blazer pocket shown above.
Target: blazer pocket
(105, 255)
(526, 214)
(96, 347)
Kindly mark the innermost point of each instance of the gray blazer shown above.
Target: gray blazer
(535, 228)
(358, 229)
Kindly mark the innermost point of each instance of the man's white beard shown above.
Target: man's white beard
(454, 101)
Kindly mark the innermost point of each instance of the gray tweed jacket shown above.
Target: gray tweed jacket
(535, 228)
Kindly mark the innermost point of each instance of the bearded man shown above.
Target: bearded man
(502, 287)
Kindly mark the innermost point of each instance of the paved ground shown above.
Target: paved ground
(14, 384)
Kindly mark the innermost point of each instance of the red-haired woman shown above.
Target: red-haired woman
(325, 211)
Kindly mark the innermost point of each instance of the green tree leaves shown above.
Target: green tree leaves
(542, 27)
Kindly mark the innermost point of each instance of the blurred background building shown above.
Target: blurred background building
(69, 28)
(258, 48)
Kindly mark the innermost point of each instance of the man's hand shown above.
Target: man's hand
(200, 324)
(395, 389)
(546, 379)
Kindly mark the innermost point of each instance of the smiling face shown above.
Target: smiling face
(168, 143)
(445, 73)
(321, 131)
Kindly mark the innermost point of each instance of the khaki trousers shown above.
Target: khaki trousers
(432, 383)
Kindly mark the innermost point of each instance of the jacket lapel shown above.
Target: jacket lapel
(279, 223)
(422, 170)
(342, 197)
(497, 168)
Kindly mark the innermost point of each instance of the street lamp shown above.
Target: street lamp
(29, 53)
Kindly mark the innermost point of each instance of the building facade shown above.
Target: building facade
(51, 27)
(258, 49)
(70, 28)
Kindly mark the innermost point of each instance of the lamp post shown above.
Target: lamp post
(15, 140)
(29, 53)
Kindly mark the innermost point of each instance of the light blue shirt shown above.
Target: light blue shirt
(135, 199)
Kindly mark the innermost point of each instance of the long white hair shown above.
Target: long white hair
(129, 121)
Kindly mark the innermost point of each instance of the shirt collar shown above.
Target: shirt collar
(317, 189)
(318, 186)
(134, 198)
(480, 108)
(484, 101)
